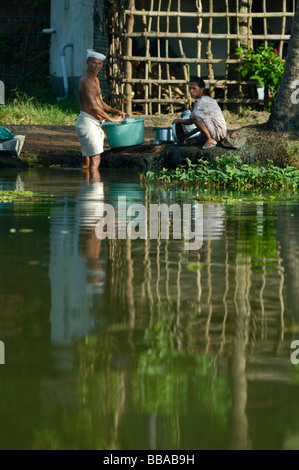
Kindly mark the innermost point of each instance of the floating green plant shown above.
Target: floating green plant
(21, 196)
(226, 172)
(8, 196)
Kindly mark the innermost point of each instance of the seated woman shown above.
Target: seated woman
(206, 114)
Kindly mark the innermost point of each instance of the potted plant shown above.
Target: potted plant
(265, 66)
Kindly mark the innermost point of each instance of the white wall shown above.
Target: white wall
(73, 21)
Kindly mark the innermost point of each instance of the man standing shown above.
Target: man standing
(93, 112)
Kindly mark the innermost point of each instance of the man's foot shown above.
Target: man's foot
(209, 145)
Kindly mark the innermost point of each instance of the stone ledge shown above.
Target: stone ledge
(10, 151)
(14, 146)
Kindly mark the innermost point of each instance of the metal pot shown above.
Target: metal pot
(186, 115)
(164, 134)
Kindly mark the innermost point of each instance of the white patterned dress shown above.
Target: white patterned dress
(207, 111)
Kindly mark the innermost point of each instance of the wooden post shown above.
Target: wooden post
(209, 53)
(265, 22)
(129, 51)
(283, 28)
(148, 64)
(159, 55)
(199, 28)
(186, 75)
(167, 56)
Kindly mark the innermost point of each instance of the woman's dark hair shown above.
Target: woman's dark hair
(199, 81)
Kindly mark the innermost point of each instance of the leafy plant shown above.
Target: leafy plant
(226, 172)
(264, 65)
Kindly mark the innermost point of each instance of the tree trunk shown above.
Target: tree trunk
(285, 112)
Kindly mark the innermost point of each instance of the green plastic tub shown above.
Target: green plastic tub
(125, 134)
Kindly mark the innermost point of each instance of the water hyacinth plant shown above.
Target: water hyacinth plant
(228, 172)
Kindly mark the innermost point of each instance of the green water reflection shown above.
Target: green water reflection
(140, 344)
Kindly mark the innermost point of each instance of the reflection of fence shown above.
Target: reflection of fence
(225, 303)
(203, 35)
(203, 292)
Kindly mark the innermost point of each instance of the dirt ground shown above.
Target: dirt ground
(41, 141)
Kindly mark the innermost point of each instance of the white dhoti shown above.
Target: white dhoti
(91, 135)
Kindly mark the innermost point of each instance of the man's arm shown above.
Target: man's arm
(115, 111)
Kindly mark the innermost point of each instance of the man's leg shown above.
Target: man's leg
(204, 130)
(92, 162)
(85, 163)
(95, 161)
(94, 168)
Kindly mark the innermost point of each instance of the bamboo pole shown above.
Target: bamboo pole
(244, 26)
(238, 44)
(215, 14)
(181, 46)
(250, 41)
(186, 101)
(147, 54)
(219, 83)
(265, 21)
(167, 58)
(283, 28)
(209, 53)
(199, 43)
(159, 55)
(238, 37)
(228, 51)
(181, 60)
(129, 50)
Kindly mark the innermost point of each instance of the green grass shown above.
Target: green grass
(24, 110)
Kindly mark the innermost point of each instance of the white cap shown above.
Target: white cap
(95, 55)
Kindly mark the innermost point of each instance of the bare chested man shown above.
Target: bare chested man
(93, 111)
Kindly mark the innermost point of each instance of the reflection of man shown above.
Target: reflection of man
(76, 269)
(91, 200)
(93, 111)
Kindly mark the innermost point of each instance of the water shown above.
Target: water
(140, 344)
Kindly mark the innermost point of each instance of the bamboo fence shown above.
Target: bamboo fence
(165, 22)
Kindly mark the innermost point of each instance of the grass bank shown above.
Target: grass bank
(24, 110)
